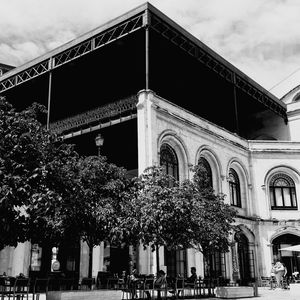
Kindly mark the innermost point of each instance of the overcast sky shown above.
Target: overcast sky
(260, 37)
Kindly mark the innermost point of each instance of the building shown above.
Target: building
(160, 96)
(5, 68)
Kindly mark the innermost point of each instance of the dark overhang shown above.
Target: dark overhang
(144, 16)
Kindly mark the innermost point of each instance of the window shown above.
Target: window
(204, 165)
(168, 160)
(234, 188)
(282, 192)
(296, 98)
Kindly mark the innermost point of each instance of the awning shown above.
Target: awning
(291, 248)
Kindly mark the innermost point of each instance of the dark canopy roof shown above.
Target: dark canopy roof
(140, 49)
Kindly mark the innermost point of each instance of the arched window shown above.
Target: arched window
(234, 188)
(175, 260)
(282, 192)
(169, 161)
(205, 166)
(297, 98)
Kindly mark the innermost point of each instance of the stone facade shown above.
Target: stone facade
(191, 137)
(255, 162)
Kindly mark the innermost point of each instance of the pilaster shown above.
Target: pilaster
(147, 135)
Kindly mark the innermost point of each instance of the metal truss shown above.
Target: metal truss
(87, 120)
(190, 47)
(212, 63)
(99, 40)
(147, 19)
(249, 89)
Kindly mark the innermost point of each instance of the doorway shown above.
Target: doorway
(291, 259)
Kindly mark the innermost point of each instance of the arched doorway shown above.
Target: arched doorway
(245, 259)
(291, 259)
(175, 260)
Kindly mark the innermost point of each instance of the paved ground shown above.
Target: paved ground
(263, 294)
(266, 294)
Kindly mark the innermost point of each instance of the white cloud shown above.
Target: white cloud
(262, 38)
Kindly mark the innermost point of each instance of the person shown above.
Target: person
(193, 277)
(284, 279)
(279, 271)
(159, 282)
(272, 277)
(189, 282)
(132, 283)
(160, 279)
(21, 275)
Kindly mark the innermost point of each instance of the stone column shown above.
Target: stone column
(147, 157)
(235, 262)
(21, 259)
(84, 260)
(97, 260)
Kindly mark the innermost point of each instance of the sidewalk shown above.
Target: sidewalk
(264, 293)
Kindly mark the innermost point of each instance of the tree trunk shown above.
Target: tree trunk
(157, 258)
(90, 261)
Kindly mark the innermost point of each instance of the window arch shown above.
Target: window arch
(169, 161)
(234, 188)
(175, 260)
(282, 192)
(204, 164)
(296, 98)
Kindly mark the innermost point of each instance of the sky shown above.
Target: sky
(260, 37)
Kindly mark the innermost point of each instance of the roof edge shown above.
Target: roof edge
(212, 52)
(79, 39)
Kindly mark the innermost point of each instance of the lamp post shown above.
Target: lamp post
(99, 140)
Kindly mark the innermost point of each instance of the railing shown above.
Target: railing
(106, 112)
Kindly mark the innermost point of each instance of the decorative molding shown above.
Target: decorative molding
(104, 113)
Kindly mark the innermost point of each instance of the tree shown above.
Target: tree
(48, 192)
(22, 140)
(34, 168)
(92, 208)
(180, 216)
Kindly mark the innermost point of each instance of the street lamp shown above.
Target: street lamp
(99, 140)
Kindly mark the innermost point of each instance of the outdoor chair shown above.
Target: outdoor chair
(161, 290)
(284, 283)
(144, 287)
(66, 284)
(191, 288)
(127, 290)
(7, 287)
(264, 281)
(40, 287)
(179, 287)
(21, 288)
(87, 283)
(54, 284)
(112, 283)
(102, 278)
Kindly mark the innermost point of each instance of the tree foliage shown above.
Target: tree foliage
(97, 202)
(29, 156)
(182, 215)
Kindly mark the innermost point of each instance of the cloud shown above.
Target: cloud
(261, 37)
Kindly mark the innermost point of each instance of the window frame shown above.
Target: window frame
(172, 163)
(206, 165)
(234, 189)
(290, 187)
